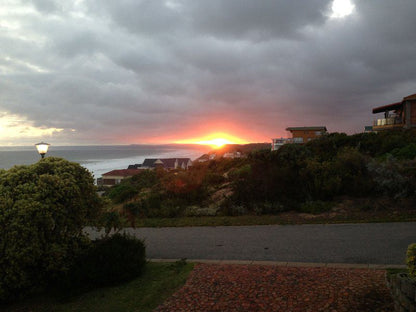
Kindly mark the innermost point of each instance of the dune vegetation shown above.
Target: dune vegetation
(337, 174)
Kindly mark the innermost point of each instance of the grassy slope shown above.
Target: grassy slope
(158, 282)
(283, 219)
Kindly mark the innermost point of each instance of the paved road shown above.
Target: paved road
(374, 243)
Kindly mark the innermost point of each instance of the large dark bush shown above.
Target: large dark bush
(43, 210)
(351, 167)
(300, 173)
(321, 180)
(273, 177)
(109, 261)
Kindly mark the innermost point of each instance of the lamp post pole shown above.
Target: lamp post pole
(42, 148)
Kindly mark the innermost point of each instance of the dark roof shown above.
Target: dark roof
(122, 172)
(149, 162)
(388, 107)
(410, 97)
(204, 156)
(306, 128)
(183, 161)
(394, 106)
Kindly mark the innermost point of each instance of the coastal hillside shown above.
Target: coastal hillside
(233, 151)
(374, 171)
(242, 148)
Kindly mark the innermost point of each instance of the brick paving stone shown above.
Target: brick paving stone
(231, 287)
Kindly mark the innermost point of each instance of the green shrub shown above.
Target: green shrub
(195, 211)
(316, 207)
(240, 173)
(389, 179)
(407, 152)
(133, 210)
(267, 207)
(146, 178)
(111, 221)
(321, 179)
(122, 192)
(391, 142)
(229, 208)
(107, 262)
(43, 210)
(150, 204)
(351, 166)
(411, 260)
(171, 208)
(213, 178)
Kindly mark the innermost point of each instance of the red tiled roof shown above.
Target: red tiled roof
(122, 172)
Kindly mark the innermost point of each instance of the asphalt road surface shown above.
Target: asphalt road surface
(374, 243)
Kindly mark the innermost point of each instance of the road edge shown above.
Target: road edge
(371, 266)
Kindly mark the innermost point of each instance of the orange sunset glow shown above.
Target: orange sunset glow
(215, 140)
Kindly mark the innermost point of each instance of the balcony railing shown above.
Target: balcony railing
(390, 121)
(277, 143)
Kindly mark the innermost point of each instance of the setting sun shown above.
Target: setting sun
(216, 140)
(217, 143)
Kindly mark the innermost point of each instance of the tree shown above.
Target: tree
(43, 210)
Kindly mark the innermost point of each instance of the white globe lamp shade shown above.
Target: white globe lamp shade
(42, 148)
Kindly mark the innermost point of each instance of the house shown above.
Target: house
(400, 115)
(167, 163)
(116, 176)
(278, 143)
(203, 158)
(368, 129)
(305, 134)
(206, 157)
(232, 155)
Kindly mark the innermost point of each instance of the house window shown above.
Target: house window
(118, 181)
(318, 133)
(298, 140)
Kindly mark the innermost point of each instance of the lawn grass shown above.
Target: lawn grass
(391, 271)
(145, 293)
(269, 220)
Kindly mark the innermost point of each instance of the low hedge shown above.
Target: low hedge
(109, 261)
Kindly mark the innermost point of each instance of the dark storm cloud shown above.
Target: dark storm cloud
(232, 19)
(104, 70)
(246, 19)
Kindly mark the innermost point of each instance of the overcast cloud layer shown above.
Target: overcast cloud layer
(130, 71)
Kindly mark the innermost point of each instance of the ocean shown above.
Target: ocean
(100, 159)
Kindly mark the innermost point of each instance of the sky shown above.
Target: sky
(130, 71)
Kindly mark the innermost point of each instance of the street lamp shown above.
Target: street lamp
(42, 148)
